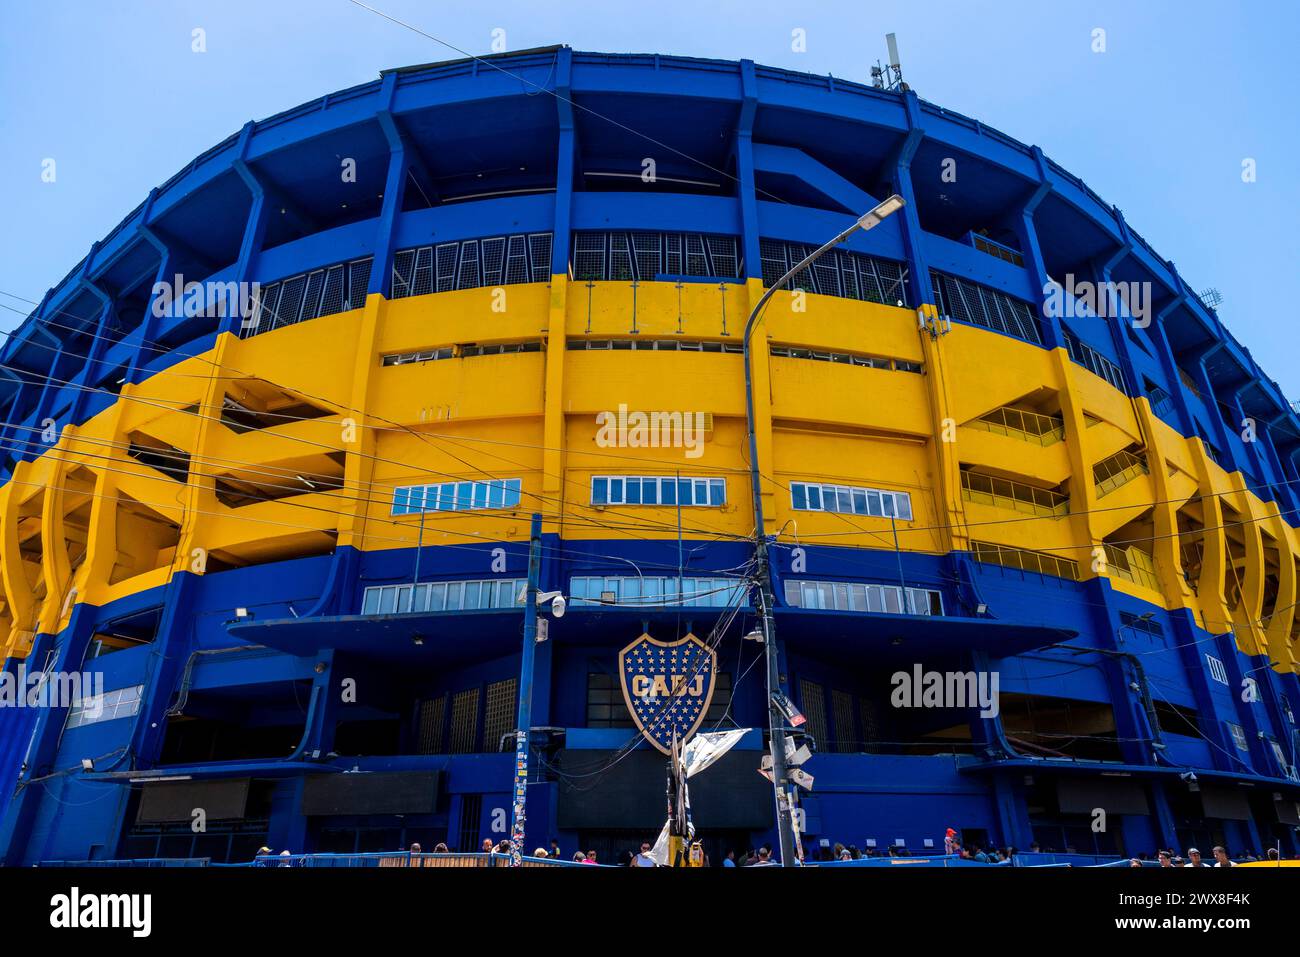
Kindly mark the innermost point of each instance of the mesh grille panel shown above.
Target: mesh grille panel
(539, 248)
(464, 722)
(311, 304)
(498, 712)
(448, 254)
(403, 273)
(422, 279)
(517, 260)
(468, 277)
(358, 283)
(290, 301)
(494, 260)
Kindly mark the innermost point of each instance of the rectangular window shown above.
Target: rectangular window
(464, 721)
(1217, 671)
(457, 496)
(432, 717)
(812, 701)
(499, 712)
(442, 596)
(656, 591)
(657, 490)
(109, 706)
(845, 735)
(843, 596)
(850, 500)
(605, 705)
(1238, 736)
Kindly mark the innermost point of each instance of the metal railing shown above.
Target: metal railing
(1023, 559)
(1016, 496)
(1120, 469)
(1133, 565)
(1019, 424)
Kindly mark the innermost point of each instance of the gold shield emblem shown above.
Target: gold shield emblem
(667, 686)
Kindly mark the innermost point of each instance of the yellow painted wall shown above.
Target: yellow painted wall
(533, 416)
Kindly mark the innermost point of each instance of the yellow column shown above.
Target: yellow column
(199, 497)
(761, 381)
(1277, 629)
(553, 430)
(951, 509)
(1214, 557)
(1169, 565)
(18, 592)
(356, 440)
(1083, 494)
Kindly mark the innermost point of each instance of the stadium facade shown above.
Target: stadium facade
(287, 547)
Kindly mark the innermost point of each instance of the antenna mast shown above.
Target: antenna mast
(890, 76)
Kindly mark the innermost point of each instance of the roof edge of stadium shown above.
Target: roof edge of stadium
(509, 55)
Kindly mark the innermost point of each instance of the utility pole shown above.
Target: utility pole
(524, 720)
(775, 714)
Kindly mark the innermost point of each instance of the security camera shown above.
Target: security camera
(557, 600)
(1188, 776)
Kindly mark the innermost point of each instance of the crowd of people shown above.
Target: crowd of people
(1195, 859)
(827, 853)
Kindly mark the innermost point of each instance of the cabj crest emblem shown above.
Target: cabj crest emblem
(667, 686)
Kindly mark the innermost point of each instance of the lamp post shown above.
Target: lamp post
(775, 715)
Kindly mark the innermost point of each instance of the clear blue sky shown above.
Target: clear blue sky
(1158, 124)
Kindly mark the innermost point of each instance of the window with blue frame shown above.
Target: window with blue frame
(442, 596)
(658, 490)
(850, 500)
(861, 596)
(657, 590)
(457, 496)
(122, 703)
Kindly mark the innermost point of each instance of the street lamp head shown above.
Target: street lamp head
(886, 208)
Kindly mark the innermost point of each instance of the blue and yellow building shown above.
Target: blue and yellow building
(288, 545)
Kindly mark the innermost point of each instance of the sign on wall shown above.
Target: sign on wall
(667, 686)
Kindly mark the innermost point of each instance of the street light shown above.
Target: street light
(775, 717)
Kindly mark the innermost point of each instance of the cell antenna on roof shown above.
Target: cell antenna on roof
(1212, 297)
(890, 76)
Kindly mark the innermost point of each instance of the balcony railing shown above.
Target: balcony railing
(1018, 424)
(1120, 469)
(1015, 496)
(1133, 565)
(1025, 560)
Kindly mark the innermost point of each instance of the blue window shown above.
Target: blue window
(454, 496)
(656, 490)
(849, 500)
